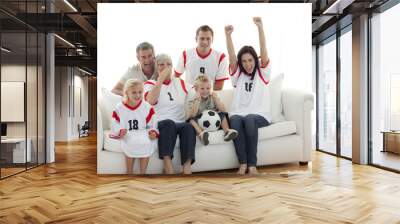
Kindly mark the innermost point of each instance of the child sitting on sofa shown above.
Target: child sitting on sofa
(134, 124)
(203, 100)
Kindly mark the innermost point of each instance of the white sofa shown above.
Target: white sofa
(281, 142)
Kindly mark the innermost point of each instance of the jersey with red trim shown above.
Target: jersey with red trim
(251, 96)
(214, 65)
(138, 121)
(170, 103)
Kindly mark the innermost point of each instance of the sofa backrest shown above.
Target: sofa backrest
(107, 101)
(226, 97)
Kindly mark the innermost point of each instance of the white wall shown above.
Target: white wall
(172, 27)
(68, 81)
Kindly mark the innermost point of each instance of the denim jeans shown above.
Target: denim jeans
(247, 140)
(169, 131)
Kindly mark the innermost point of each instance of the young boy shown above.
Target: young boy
(134, 124)
(205, 100)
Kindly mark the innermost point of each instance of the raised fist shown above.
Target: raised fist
(257, 21)
(228, 29)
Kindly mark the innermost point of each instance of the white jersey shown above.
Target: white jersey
(136, 72)
(138, 121)
(171, 101)
(251, 96)
(214, 65)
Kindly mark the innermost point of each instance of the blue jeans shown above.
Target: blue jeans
(169, 131)
(247, 140)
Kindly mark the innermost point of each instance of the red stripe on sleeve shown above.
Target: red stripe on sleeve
(150, 115)
(115, 116)
(184, 58)
(183, 86)
(221, 58)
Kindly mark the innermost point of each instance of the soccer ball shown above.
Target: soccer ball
(209, 120)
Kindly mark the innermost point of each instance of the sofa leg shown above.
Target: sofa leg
(303, 163)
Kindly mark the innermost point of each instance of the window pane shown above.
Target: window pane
(14, 151)
(346, 94)
(386, 88)
(327, 97)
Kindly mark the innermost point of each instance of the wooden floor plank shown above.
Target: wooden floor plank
(328, 190)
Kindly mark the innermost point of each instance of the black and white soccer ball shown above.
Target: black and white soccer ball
(209, 120)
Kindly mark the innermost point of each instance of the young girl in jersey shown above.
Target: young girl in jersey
(205, 100)
(133, 122)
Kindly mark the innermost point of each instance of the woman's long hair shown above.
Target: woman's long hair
(252, 52)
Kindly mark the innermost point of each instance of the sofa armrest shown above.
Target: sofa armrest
(297, 107)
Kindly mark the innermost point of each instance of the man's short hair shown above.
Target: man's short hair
(204, 28)
(144, 46)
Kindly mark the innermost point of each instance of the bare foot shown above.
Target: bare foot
(168, 168)
(253, 170)
(187, 168)
(169, 171)
(242, 169)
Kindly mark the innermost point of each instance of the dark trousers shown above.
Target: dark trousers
(247, 140)
(169, 131)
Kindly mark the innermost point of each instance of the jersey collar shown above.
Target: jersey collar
(167, 82)
(130, 107)
(203, 56)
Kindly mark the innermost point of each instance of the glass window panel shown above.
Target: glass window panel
(385, 88)
(346, 94)
(327, 97)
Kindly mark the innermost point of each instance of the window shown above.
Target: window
(327, 96)
(385, 85)
(346, 93)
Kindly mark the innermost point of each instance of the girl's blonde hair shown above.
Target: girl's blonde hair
(202, 78)
(131, 83)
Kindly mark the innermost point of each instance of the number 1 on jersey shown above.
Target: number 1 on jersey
(170, 96)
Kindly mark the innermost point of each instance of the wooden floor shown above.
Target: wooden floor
(329, 190)
(386, 159)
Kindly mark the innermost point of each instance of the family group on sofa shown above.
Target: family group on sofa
(158, 106)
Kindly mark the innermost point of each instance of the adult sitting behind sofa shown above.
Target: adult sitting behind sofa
(168, 95)
(144, 70)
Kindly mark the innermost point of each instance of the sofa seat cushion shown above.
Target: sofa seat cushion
(277, 129)
(217, 137)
